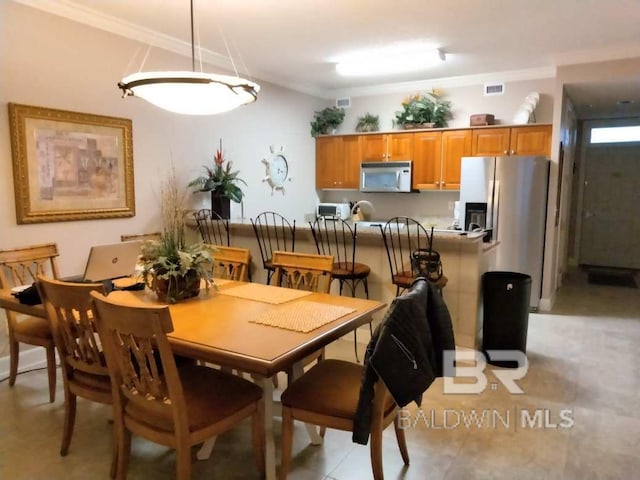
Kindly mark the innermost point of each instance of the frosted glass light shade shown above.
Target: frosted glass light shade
(190, 93)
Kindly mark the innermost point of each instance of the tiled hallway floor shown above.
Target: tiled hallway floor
(582, 361)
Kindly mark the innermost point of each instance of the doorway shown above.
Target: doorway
(610, 219)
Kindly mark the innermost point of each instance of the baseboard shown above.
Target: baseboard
(29, 360)
(546, 303)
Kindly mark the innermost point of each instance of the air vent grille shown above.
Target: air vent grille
(343, 102)
(493, 89)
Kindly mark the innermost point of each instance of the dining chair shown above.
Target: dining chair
(333, 236)
(273, 233)
(403, 239)
(156, 400)
(231, 263)
(327, 395)
(212, 227)
(140, 237)
(21, 266)
(303, 271)
(84, 369)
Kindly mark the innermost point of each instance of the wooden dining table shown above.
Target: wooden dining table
(219, 326)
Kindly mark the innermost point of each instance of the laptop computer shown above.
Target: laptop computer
(108, 262)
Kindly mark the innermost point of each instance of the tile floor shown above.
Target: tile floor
(581, 360)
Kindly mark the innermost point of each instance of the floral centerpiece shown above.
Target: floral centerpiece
(173, 267)
(424, 111)
(221, 181)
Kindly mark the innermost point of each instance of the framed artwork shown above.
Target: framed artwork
(70, 166)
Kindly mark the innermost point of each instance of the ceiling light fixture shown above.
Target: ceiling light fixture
(191, 93)
(385, 63)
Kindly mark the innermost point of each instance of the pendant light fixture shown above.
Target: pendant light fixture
(190, 93)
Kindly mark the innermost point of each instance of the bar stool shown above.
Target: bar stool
(333, 236)
(273, 233)
(213, 228)
(404, 239)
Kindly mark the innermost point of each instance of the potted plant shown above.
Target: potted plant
(173, 267)
(222, 182)
(326, 120)
(368, 123)
(423, 111)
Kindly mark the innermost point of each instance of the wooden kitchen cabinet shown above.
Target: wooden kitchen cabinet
(427, 156)
(437, 159)
(338, 162)
(387, 147)
(455, 145)
(526, 140)
(531, 140)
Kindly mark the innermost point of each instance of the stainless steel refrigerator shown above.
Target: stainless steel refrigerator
(508, 197)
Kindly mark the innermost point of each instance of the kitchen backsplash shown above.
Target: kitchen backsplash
(427, 207)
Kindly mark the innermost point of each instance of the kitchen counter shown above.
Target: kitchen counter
(464, 258)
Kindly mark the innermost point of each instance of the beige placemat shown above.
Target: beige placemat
(265, 293)
(303, 316)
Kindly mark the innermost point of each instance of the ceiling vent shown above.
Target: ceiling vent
(493, 89)
(343, 102)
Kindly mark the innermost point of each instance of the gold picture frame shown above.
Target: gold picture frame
(70, 166)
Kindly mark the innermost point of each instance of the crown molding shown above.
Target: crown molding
(87, 16)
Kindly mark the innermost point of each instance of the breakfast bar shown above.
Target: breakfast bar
(464, 258)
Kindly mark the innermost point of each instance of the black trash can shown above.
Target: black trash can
(506, 298)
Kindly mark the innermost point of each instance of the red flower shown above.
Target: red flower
(218, 158)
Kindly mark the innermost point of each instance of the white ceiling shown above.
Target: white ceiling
(295, 43)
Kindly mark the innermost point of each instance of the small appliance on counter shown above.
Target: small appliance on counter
(338, 210)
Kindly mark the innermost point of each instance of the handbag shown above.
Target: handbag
(28, 296)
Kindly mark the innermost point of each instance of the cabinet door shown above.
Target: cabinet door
(351, 158)
(400, 146)
(427, 154)
(490, 142)
(374, 148)
(455, 145)
(328, 161)
(532, 140)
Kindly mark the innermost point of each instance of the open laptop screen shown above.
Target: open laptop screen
(115, 260)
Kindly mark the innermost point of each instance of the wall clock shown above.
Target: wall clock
(277, 169)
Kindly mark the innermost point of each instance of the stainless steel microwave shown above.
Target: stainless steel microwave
(385, 176)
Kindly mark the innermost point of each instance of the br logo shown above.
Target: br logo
(455, 368)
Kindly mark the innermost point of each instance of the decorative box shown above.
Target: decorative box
(481, 119)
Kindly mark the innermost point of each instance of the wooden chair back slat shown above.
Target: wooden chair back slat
(140, 237)
(231, 263)
(139, 357)
(303, 271)
(74, 331)
(21, 266)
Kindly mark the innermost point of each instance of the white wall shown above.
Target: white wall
(51, 62)
(465, 101)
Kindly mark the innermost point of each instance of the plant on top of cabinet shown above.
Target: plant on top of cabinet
(423, 111)
(326, 120)
(368, 123)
